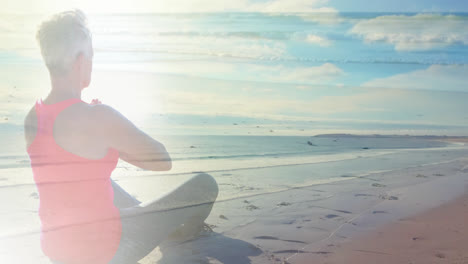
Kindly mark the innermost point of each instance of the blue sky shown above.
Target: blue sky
(400, 5)
(105, 6)
(326, 72)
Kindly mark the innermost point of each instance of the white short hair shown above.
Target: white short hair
(62, 38)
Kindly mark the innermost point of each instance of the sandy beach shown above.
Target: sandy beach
(327, 223)
(272, 215)
(353, 209)
(439, 235)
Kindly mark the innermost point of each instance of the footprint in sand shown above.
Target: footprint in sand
(379, 212)
(275, 238)
(362, 194)
(223, 217)
(388, 197)
(291, 251)
(251, 207)
(246, 188)
(343, 211)
(289, 222)
(331, 216)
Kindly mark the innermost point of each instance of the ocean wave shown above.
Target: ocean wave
(23, 162)
(210, 165)
(244, 156)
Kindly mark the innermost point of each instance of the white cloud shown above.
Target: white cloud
(323, 74)
(174, 6)
(418, 32)
(271, 106)
(358, 102)
(210, 104)
(229, 46)
(318, 74)
(183, 6)
(290, 6)
(324, 15)
(436, 77)
(318, 40)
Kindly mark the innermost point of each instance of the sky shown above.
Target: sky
(400, 5)
(148, 6)
(328, 69)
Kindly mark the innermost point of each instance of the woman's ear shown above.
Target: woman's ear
(84, 69)
(79, 61)
(77, 66)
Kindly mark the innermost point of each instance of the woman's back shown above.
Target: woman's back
(74, 129)
(76, 197)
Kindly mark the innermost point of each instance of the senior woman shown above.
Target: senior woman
(74, 147)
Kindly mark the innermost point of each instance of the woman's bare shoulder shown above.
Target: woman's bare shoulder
(106, 115)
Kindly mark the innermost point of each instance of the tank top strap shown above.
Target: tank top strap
(46, 114)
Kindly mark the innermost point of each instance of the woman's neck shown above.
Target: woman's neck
(63, 88)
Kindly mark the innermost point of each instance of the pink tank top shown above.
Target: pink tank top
(79, 222)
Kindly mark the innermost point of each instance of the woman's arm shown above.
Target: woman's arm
(134, 146)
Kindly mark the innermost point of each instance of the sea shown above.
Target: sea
(231, 94)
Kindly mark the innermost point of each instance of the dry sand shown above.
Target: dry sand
(439, 235)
